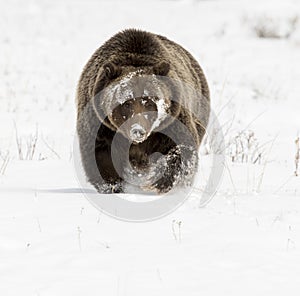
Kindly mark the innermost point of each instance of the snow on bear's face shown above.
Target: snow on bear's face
(136, 117)
(137, 105)
(134, 101)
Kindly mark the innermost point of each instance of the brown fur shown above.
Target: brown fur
(128, 51)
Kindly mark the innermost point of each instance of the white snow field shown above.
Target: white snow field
(246, 241)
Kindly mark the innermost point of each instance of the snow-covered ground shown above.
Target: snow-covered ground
(245, 241)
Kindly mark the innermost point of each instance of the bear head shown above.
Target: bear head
(134, 100)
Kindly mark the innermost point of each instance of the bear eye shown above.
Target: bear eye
(127, 104)
(149, 103)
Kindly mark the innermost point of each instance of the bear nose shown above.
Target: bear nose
(137, 133)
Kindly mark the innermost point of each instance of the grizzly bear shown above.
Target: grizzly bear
(143, 106)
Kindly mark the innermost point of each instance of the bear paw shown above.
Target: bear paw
(109, 188)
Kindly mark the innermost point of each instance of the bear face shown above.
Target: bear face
(136, 118)
(133, 102)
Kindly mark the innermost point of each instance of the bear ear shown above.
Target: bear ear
(111, 70)
(161, 69)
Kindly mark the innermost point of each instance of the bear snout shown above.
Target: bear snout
(137, 133)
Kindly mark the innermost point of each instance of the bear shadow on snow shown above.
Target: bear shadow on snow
(142, 108)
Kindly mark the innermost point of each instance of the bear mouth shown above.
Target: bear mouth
(137, 133)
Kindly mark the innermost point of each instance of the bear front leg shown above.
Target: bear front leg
(94, 166)
(179, 166)
(110, 181)
(108, 188)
